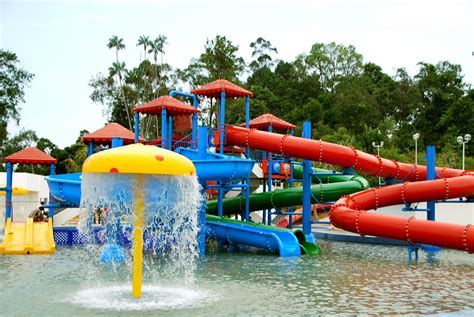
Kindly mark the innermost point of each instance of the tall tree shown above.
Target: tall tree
(219, 60)
(13, 81)
(262, 51)
(117, 43)
(157, 46)
(440, 86)
(333, 61)
(145, 41)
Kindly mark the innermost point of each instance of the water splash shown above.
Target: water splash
(118, 298)
(171, 220)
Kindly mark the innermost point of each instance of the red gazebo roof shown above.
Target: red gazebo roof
(30, 155)
(112, 130)
(213, 90)
(265, 120)
(173, 107)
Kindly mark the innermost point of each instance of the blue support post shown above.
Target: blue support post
(195, 124)
(170, 132)
(307, 188)
(164, 128)
(247, 156)
(52, 171)
(247, 122)
(269, 178)
(117, 142)
(220, 199)
(431, 175)
(202, 143)
(137, 126)
(90, 149)
(290, 182)
(8, 196)
(221, 123)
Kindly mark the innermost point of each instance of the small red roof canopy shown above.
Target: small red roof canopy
(104, 135)
(173, 106)
(265, 120)
(213, 90)
(30, 155)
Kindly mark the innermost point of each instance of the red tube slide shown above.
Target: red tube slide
(349, 213)
(320, 151)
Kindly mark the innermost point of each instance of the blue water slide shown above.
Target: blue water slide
(283, 242)
(66, 188)
(214, 166)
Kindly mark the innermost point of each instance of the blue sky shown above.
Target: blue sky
(63, 42)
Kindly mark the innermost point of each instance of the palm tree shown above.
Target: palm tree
(115, 42)
(144, 40)
(157, 46)
(118, 68)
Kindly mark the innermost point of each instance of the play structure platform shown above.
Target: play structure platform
(28, 237)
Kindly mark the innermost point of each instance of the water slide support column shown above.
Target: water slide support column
(164, 128)
(220, 197)
(247, 156)
(8, 188)
(90, 149)
(170, 132)
(52, 171)
(137, 126)
(269, 178)
(202, 153)
(117, 142)
(431, 175)
(307, 189)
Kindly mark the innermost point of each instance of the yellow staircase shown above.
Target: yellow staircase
(28, 237)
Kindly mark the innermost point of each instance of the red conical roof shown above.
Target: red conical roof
(213, 90)
(30, 155)
(265, 120)
(104, 135)
(173, 107)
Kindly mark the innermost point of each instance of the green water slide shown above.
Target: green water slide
(291, 196)
(321, 175)
(305, 246)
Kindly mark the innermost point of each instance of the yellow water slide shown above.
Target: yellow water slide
(28, 237)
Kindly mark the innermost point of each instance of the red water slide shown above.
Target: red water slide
(350, 212)
(320, 151)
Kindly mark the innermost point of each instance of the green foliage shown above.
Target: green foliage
(262, 51)
(13, 81)
(331, 62)
(219, 60)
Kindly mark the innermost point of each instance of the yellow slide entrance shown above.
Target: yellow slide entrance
(28, 237)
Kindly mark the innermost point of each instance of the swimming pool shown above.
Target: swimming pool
(346, 279)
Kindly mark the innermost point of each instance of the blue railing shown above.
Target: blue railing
(186, 142)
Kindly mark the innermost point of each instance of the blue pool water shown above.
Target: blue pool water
(348, 279)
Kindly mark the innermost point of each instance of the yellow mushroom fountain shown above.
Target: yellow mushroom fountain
(136, 174)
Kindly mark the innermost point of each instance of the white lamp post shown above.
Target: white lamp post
(416, 136)
(463, 141)
(378, 146)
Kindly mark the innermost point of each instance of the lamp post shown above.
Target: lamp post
(463, 141)
(378, 146)
(416, 136)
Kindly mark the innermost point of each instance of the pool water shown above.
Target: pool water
(349, 279)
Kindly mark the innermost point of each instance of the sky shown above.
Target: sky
(64, 42)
